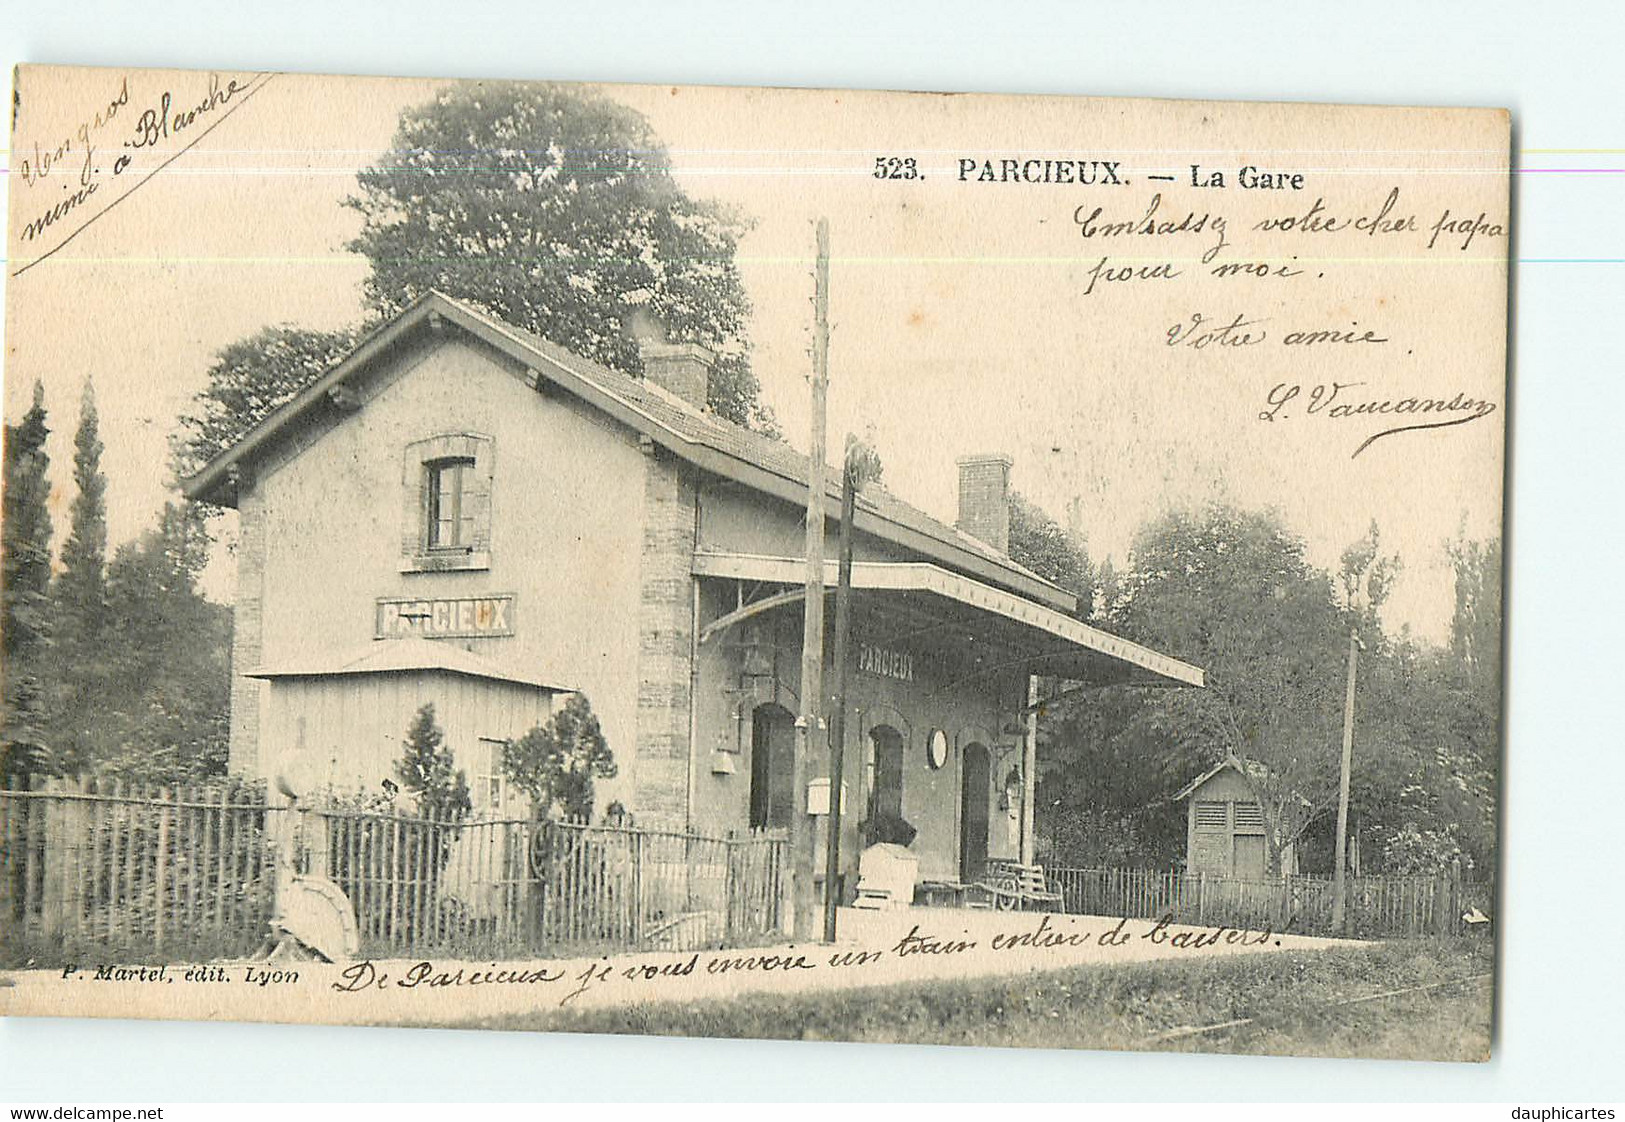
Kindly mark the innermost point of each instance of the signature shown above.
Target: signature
(1322, 400)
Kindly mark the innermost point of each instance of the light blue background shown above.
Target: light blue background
(1556, 65)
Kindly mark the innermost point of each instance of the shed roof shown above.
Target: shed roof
(1255, 772)
(1229, 763)
(404, 656)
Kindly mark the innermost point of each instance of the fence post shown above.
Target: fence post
(1458, 897)
(535, 886)
(160, 872)
(688, 868)
(637, 887)
(13, 852)
(52, 879)
(730, 887)
(313, 824)
(79, 842)
(1450, 905)
(787, 899)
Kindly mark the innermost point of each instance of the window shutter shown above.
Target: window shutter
(1211, 815)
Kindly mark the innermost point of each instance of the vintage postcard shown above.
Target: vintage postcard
(910, 567)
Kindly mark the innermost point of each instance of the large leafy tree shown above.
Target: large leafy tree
(1458, 726)
(1422, 791)
(248, 381)
(1039, 542)
(554, 208)
(25, 628)
(1475, 648)
(1231, 591)
(1475, 626)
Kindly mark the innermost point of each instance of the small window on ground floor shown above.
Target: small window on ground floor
(491, 787)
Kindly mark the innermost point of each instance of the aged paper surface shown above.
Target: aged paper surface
(407, 588)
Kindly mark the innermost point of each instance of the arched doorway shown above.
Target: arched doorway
(886, 776)
(772, 757)
(886, 787)
(975, 774)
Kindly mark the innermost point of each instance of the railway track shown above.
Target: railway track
(1186, 1032)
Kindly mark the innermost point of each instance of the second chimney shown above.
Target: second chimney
(984, 498)
(683, 369)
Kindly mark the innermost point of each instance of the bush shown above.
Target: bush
(556, 763)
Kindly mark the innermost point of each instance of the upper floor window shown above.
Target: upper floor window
(450, 517)
(446, 493)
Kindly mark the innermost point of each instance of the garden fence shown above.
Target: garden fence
(100, 870)
(1376, 905)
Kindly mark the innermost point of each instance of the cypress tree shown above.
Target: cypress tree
(78, 670)
(82, 587)
(25, 564)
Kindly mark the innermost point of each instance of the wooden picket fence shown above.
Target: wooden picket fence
(103, 871)
(131, 872)
(1375, 906)
(424, 885)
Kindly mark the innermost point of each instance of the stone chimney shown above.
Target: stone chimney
(984, 498)
(683, 369)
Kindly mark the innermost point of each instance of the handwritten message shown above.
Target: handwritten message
(643, 978)
(73, 177)
(1316, 237)
(1262, 251)
(910, 951)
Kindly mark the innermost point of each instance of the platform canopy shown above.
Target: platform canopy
(1007, 632)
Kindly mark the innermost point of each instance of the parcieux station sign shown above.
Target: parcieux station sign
(885, 662)
(460, 617)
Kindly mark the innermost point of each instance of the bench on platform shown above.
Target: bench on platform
(948, 893)
(1011, 885)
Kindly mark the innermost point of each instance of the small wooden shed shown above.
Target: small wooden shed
(338, 721)
(1226, 833)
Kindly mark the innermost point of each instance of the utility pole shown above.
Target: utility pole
(804, 904)
(1338, 885)
(851, 479)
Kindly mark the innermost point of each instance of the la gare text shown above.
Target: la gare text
(1108, 173)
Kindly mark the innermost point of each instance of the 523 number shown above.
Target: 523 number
(896, 167)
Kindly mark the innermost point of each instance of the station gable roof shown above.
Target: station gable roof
(732, 451)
